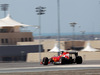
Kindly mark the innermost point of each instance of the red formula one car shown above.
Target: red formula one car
(64, 58)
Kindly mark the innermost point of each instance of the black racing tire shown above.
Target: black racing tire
(45, 61)
(78, 60)
(62, 60)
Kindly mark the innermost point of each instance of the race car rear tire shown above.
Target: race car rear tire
(62, 60)
(45, 61)
(78, 60)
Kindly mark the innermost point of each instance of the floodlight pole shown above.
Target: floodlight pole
(73, 24)
(40, 11)
(82, 32)
(4, 7)
(58, 13)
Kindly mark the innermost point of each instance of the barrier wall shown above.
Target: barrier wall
(34, 57)
(90, 55)
(8, 52)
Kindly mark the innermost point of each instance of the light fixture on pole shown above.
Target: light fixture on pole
(58, 13)
(4, 7)
(40, 11)
(73, 24)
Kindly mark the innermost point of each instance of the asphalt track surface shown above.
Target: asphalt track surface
(36, 67)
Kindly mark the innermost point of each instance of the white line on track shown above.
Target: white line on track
(58, 66)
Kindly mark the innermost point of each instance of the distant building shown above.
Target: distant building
(10, 35)
(10, 32)
(48, 44)
(78, 45)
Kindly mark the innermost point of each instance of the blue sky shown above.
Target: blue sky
(86, 13)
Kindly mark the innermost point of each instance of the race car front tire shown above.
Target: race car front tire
(45, 61)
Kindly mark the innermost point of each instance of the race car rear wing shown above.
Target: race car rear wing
(76, 53)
